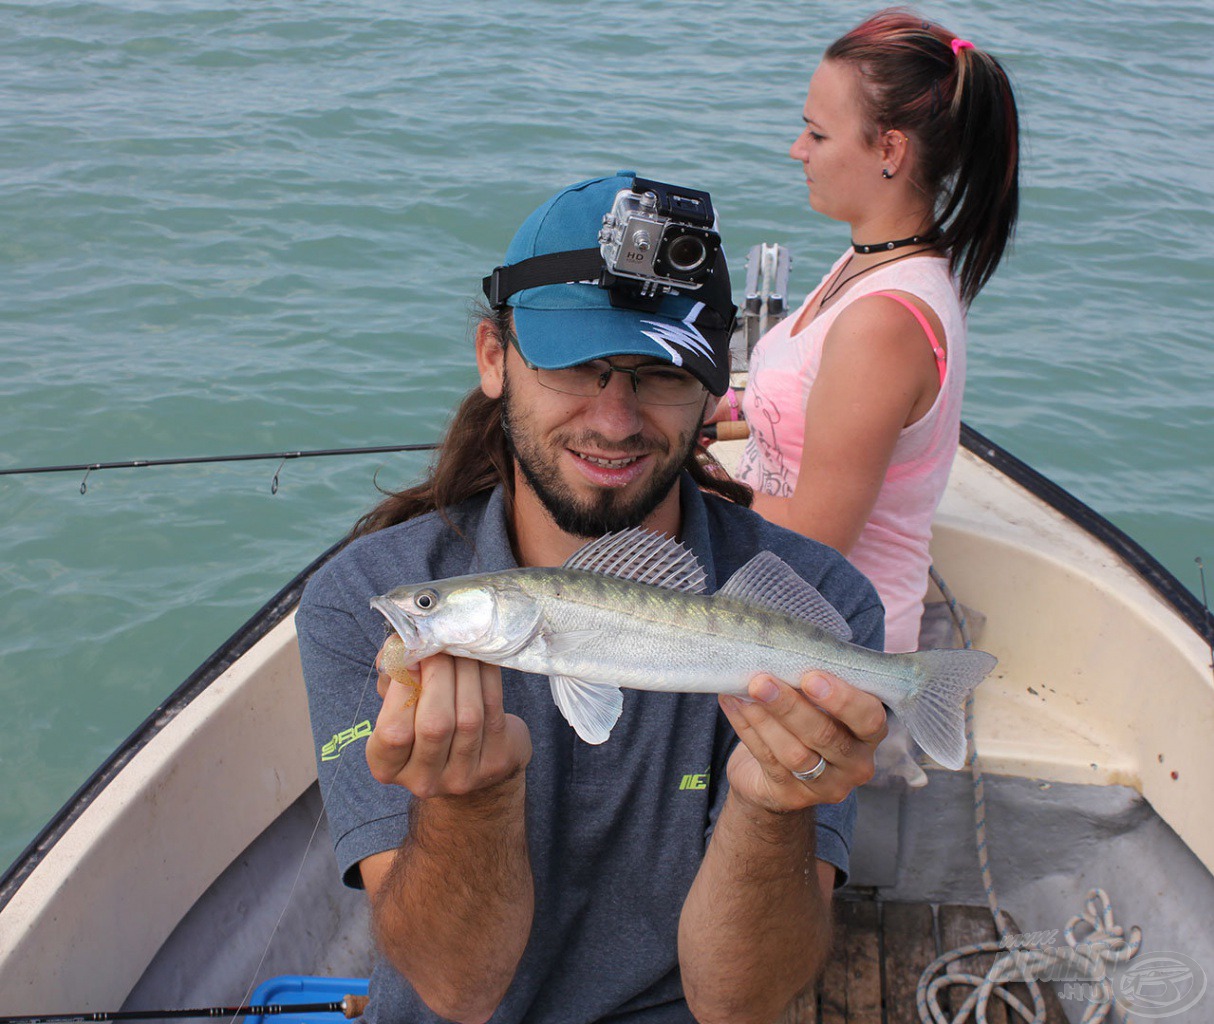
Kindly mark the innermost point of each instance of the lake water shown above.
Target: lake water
(233, 227)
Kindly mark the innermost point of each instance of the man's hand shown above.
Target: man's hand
(755, 927)
(450, 736)
(447, 739)
(788, 729)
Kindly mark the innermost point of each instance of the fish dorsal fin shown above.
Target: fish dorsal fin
(643, 557)
(768, 582)
(591, 708)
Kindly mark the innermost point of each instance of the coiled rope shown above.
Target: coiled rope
(1084, 957)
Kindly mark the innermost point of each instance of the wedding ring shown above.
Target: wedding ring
(812, 773)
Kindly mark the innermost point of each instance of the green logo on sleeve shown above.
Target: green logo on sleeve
(697, 781)
(331, 751)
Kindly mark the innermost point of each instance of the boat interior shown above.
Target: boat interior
(1081, 756)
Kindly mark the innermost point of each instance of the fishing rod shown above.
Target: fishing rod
(89, 467)
(722, 431)
(349, 1006)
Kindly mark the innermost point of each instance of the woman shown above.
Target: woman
(854, 401)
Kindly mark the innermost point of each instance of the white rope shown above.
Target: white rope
(1084, 958)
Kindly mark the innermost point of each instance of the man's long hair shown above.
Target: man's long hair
(474, 457)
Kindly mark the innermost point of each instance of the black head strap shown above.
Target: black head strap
(551, 268)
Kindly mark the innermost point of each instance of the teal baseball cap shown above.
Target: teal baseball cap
(569, 308)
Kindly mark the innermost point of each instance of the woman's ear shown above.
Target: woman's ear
(895, 152)
(490, 358)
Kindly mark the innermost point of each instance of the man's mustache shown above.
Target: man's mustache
(637, 444)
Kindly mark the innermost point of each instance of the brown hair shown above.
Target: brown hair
(956, 103)
(474, 457)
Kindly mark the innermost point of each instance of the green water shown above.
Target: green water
(233, 227)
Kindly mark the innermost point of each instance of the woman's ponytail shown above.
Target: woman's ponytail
(979, 216)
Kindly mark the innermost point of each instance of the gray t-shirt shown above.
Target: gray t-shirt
(615, 832)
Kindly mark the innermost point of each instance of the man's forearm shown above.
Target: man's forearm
(455, 912)
(755, 929)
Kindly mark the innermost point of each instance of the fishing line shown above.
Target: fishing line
(324, 800)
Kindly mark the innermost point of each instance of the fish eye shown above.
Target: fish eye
(426, 600)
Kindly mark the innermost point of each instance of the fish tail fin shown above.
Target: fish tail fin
(935, 712)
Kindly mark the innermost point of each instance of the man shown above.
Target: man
(672, 873)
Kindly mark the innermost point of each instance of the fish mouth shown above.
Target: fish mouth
(399, 621)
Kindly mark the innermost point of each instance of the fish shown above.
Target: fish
(630, 610)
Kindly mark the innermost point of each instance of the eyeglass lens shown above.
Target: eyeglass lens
(652, 383)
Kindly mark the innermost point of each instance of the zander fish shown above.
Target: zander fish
(629, 610)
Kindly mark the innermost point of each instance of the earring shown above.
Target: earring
(885, 173)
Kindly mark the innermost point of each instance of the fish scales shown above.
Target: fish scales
(683, 642)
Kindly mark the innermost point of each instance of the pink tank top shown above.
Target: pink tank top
(892, 549)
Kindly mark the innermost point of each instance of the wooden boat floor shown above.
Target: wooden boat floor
(880, 951)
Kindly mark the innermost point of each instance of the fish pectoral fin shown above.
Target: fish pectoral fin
(591, 708)
(571, 641)
(766, 581)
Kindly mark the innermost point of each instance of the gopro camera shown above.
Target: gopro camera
(661, 236)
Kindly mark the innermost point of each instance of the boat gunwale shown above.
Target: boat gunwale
(274, 611)
(1142, 562)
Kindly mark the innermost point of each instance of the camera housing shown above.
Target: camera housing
(661, 236)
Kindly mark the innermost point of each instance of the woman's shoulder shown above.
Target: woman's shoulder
(872, 328)
(928, 278)
(929, 289)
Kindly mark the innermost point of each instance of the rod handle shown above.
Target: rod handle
(732, 430)
(354, 1006)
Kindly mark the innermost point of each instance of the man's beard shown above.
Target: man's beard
(609, 510)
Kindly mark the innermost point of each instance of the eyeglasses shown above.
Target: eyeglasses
(652, 383)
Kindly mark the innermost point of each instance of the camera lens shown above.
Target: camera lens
(686, 253)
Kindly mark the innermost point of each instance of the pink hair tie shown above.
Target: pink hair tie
(959, 44)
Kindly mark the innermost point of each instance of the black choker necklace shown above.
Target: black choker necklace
(886, 246)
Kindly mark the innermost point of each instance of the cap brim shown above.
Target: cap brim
(555, 338)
